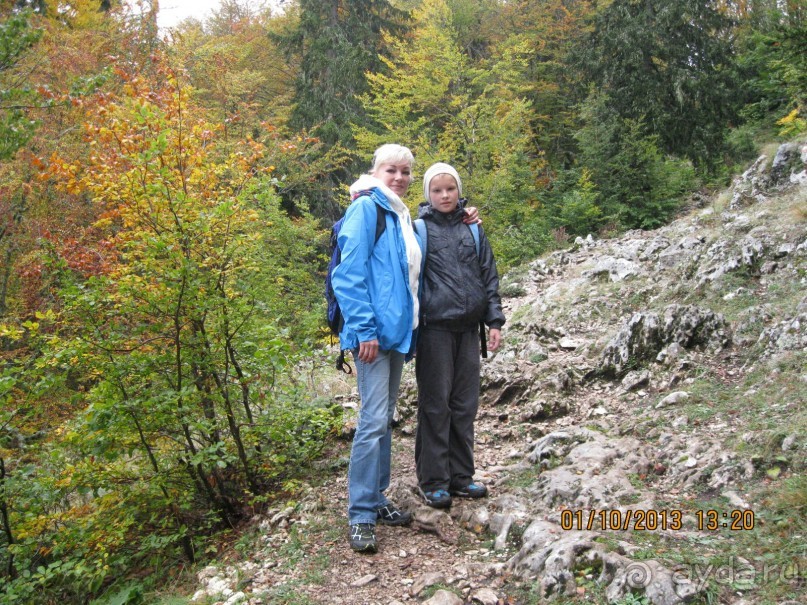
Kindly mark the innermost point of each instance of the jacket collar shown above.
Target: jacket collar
(367, 182)
(425, 210)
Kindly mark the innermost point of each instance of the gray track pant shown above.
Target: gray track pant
(447, 369)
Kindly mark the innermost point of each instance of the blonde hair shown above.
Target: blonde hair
(392, 154)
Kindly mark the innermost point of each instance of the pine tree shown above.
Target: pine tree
(772, 63)
(337, 41)
(637, 186)
(667, 63)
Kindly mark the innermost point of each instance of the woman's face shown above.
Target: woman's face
(395, 176)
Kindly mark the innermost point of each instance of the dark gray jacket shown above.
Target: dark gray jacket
(459, 289)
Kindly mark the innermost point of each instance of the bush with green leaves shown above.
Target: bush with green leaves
(170, 362)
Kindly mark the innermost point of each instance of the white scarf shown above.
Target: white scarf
(413, 254)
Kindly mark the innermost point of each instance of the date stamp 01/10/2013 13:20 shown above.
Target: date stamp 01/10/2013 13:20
(737, 572)
(655, 520)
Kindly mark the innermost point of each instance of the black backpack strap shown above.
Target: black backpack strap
(380, 222)
(342, 365)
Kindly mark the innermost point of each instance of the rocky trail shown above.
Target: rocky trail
(643, 432)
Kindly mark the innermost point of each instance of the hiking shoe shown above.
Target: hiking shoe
(362, 538)
(472, 490)
(437, 499)
(389, 514)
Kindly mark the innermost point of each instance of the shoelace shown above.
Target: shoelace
(389, 513)
(363, 531)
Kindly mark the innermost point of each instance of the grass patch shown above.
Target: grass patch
(293, 551)
(766, 564)
(637, 481)
(288, 594)
(529, 594)
(317, 566)
(775, 391)
(512, 290)
(765, 401)
(523, 478)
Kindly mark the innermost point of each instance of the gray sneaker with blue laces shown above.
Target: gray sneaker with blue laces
(438, 498)
(472, 490)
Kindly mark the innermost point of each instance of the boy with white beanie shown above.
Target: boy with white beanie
(460, 289)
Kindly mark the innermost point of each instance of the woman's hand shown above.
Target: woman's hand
(471, 216)
(368, 351)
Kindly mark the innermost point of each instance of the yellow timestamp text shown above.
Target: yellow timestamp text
(654, 520)
(734, 520)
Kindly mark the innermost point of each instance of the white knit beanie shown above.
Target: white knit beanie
(433, 171)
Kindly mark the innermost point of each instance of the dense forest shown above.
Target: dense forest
(165, 198)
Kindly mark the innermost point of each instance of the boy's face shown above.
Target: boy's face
(443, 193)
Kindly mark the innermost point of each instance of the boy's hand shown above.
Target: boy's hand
(494, 339)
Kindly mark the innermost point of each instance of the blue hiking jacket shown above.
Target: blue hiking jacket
(371, 282)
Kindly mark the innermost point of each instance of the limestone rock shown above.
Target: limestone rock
(426, 580)
(444, 597)
(644, 335)
(363, 581)
(788, 160)
(661, 585)
(673, 399)
(484, 596)
(616, 269)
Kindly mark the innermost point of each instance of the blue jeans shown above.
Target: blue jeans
(369, 473)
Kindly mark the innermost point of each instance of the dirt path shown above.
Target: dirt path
(408, 557)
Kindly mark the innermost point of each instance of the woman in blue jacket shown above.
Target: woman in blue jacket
(376, 285)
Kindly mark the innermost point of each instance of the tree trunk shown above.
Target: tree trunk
(10, 570)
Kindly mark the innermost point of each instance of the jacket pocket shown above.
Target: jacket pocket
(467, 253)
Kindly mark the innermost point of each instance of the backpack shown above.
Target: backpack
(420, 229)
(334, 317)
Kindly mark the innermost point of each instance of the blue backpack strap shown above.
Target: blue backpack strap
(420, 229)
(475, 232)
(483, 345)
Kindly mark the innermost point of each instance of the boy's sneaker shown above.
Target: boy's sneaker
(362, 538)
(437, 499)
(389, 514)
(472, 490)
